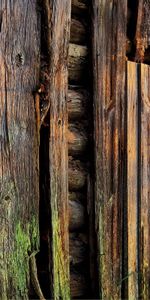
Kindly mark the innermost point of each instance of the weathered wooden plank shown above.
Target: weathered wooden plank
(58, 153)
(142, 37)
(145, 183)
(109, 49)
(19, 168)
(132, 178)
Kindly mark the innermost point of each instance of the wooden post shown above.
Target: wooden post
(19, 158)
(109, 55)
(145, 183)
(132, 178)
(60, 14)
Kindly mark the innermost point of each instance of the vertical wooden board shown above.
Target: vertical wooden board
(132, 178)
(142, 36)
(109, 40)
(145, 184)
(19, 167)
(58, 152)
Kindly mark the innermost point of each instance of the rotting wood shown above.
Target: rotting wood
(76, 215)
(76, 175)
(19, 154)
(77, 104)
(109, 56)
(73, 196)
(79, 7)
(78, 245)
(78, 34)
(77, 62)
(77, 139)
(144, 151)
(142, 37)
(58, 150)
(132, 183)
(78, 284)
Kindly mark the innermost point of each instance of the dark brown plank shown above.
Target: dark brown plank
(58, 152)
(132, 178)
(109, 49)
(145, 184)
(142, 37)
(19, 169)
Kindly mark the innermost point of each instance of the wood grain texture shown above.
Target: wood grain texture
(109, 50)
(145, 183)
(132, 178)
(78, 34)
(77, 104)
(77, 63)
(19, 167)
(58, 150)
(77, 139)
(142, 37)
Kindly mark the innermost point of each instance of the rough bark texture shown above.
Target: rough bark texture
(19, 166)
(142, 37)
(109, 49)
(58, 154)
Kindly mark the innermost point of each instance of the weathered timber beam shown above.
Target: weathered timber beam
(109, 66)
(77, 62)
(132, 183)
(59, 28)
(77, 104)
(76, 215)
(76, 175)
(19, 150)
(77, 139)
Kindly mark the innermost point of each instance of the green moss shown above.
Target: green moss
(25, 240)
(61, 270)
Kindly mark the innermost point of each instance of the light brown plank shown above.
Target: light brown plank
(145, 184)
(60, 13)
(132, 178)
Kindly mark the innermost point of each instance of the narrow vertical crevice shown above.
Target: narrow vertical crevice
(131, 28)
(43, 257)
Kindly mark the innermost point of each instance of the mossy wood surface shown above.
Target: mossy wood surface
(19, 167)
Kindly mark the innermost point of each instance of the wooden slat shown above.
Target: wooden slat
(19, 169)
(109, 48)
(142, 36)
(132, 178)
(58, 153)
(145, 184)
